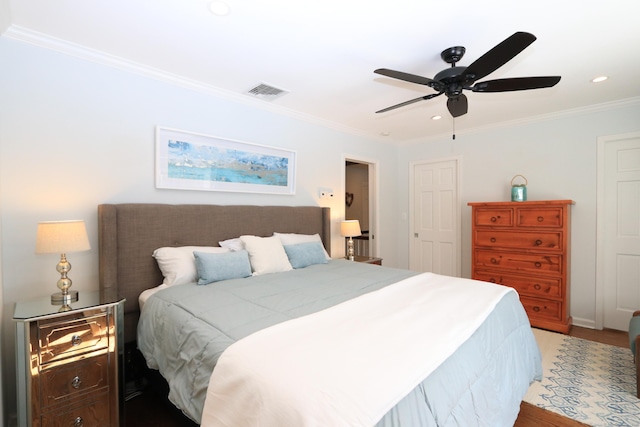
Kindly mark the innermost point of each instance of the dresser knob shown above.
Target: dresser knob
(538, 242)
(538, 264)
(537, 287)
(536, 309)
(494, 261)
(78, 422)
(76, 382)
(540, 218)
(494, 219)
(76, 340)
(493, 240)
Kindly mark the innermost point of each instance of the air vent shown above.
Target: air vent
(266, 92)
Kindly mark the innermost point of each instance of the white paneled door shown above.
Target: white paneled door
(435, 221)
(619, 245)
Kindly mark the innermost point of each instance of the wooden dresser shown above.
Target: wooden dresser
(525, 245)
(69, 361)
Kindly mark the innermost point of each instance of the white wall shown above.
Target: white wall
(557, 156)
(74, 134)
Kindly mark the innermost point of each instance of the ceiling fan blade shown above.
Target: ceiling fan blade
(457, 106)
(411, 78)
(402, 104)
(516, 83)
(498, 56)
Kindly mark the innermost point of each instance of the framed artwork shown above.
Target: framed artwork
(192, 161)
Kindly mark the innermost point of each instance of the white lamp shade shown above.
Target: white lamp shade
(61, 237)
(350, 228)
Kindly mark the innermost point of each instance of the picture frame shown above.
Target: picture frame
(193, 161)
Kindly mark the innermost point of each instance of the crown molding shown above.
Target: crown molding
(46, 41)
(595, 108)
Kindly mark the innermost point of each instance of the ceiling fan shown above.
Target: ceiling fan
(452, 81)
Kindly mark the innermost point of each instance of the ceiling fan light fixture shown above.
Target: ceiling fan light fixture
(599, 79)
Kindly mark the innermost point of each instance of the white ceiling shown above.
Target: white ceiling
(324, 53)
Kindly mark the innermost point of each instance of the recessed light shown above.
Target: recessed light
(219, 7)
(599, 79)
(436, 117)
(385, 133)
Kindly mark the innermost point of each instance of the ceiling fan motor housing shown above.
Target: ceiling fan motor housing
(451, 81)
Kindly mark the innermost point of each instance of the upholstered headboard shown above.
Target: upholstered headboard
(129, 233)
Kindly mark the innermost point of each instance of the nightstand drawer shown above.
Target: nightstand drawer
(72, 380)
(95, 413)
(68, 338)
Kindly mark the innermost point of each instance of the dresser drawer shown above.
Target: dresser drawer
(71, 380)
(92, 413)
(539, 217)
(536, 286)
(542, 309)
(544, 241)
(66, 338)
(493, 217)
(491, 259)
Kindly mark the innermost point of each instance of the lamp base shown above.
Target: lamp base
(63, 299)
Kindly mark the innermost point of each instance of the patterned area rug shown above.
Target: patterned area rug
(586, 381)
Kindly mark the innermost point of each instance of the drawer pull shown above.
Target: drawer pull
(76, 340)
(537, 287)
(493, 240)
(536, 308)
(538, 242)
(540, 218)
(76, 382)
(538, 264)
(78, 422)
(494, 218)
(494, 261)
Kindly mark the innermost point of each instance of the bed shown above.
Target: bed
(480, 370)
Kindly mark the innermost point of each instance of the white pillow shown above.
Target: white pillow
(232, 244)
(294, 239)
(178, 265)
(266, 254)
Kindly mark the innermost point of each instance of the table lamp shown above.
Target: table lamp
(350, 228)
(62, 237)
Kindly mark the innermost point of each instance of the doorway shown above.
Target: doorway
(435, 217)
(360, 203)
(618, 231)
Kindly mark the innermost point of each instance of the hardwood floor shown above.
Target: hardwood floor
(153, 409)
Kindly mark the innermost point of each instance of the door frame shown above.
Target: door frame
(600, 226)
(458, 220)
(374, 215)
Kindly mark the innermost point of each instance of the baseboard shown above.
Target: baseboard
(584, 323)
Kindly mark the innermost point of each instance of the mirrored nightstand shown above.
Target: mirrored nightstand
(69, 361)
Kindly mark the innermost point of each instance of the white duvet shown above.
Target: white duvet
(350, 364)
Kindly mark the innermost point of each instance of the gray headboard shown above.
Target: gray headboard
(129, 233)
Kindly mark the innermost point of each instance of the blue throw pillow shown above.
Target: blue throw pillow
(305, 254)
(215, 267)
